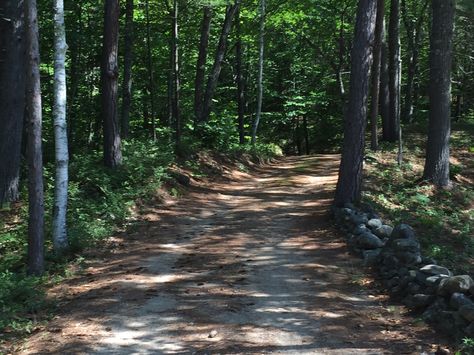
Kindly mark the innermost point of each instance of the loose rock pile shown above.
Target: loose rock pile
(444, 300)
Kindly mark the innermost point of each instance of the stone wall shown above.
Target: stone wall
(444, 300)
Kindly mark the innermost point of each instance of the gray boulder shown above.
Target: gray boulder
(459, 300)
(409, 258)
(405, 244)
(368, 240)
(361, 228)
(390, 261)
(450, 285)
(374, 223)
(418, 300)
(403, 231)
(358, 219)
(467, 312)
(433, 281)
(371, 257)
(385, 231)
(435, 270)
(469, 330)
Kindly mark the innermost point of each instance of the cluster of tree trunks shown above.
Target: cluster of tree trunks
(369, 20)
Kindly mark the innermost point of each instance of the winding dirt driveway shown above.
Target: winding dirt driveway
(246, 265)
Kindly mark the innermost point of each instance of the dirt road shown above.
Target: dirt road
(250, 265)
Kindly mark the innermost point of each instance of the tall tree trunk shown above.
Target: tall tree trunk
(306, 135)
(441, 47)
(342, 51)
(127, 69)
(60, 240)
(350, 171)
(12, 96)
(34, 148)
(76, 62)
(219, 58)
(261, 49)
(414, 33)
(112, 143)
(394, 70)
(176, 70)
(240, 81)
(201, 64)
(151, 80)
(384, 90)
(375, 86)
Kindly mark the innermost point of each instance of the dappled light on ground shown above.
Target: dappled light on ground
(237, 267)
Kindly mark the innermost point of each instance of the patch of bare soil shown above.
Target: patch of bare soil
(248, 265)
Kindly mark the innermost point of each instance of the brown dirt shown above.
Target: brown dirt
(245, 265)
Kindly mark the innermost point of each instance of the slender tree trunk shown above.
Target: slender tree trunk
(34, 148)
(76, 63)
(146, 113)
(394, 70)
(219, 58)
(384, 90)
(350, 171)
(306, 135)
(201, 64)
(127, 69)
(459, 106)
(261, 50)
(441, 47)
(151, 80)
(60, 240)
(375, 86)
(414, 35)
(240, 81)
(12, 96)
(176, 70)
(342, 52)
(112, 143)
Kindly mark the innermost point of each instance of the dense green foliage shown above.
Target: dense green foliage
(307, 61)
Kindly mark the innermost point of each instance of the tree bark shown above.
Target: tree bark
(60, 240)
(112, 142)
(76, 63)
(441, 46)
(384, 90)
(306, 135)
(394, 70)
(240, 81)
(219, 58)
(151, 80)
(350, 171)
(176, 70)
(414, 33)
(201, 64)
(375, 86)
(34, 148)
(127, 69)
(12, 96)
(261, 49)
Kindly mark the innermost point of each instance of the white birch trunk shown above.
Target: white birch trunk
(60, 240)
(260, 70)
